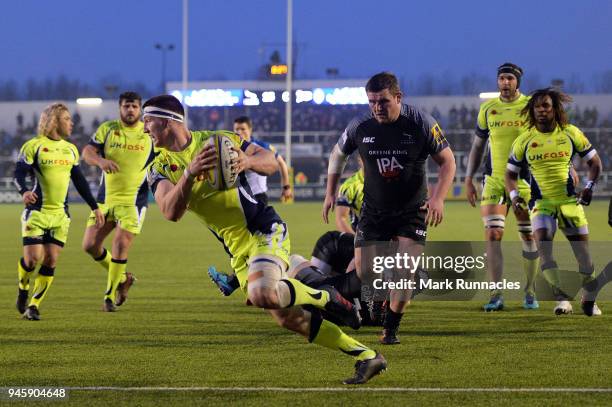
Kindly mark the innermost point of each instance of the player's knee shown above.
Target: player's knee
(49, 261)
(265, 273)
(494, 227)
(495, 234)
(262, 297)
(89, 246)
(31, 261)
(291, 322)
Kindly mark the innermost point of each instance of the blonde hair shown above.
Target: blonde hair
(49, 118)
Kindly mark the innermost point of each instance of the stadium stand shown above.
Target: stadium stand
(316, 129)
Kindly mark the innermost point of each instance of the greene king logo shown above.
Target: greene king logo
(389, 167)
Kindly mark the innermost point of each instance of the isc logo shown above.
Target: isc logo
(420, 232)
(368, 140)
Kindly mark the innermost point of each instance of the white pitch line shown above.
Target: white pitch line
(353, 389)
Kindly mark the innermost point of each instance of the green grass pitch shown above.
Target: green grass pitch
(176, 330)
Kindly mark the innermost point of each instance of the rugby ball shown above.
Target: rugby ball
(223, 176)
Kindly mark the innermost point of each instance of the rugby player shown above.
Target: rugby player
(394, 141)
(331, 264)
(259, 183)
(123, 152)
(53, 161)
(500, 122)
(547, 147)
(252, 233)
(350, 200)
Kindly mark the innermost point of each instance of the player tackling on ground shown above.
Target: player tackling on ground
(394, 141)
(123, 152)
(500, 122)
(252, 233)
(547, 147)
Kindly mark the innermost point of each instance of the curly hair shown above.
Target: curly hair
(558, 99)
(49, 118)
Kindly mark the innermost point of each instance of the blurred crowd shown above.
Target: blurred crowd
(458, 121)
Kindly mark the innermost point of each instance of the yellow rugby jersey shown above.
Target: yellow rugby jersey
(501, 123)
(351, 195)
(232, 215)
(549, 157)
(52, 161)
(132, 149)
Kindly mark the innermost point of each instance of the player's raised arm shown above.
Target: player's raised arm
(337, 162)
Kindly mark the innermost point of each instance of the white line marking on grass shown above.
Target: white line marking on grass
(349, 389)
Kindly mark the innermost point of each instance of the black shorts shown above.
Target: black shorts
(263, 197)
(383, 227)
(335, 249)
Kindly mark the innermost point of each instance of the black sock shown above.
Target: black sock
(392, 319)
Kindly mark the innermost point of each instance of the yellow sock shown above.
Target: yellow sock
(41, 285)
(293, 292)
(530, 266)
(24, 274)
(551, 274)
(327, 334)
(116, 273)
(104, 260)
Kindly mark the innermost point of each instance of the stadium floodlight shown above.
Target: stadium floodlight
(89, 101)
(488, 95)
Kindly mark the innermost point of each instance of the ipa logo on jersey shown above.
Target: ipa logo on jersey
(389, 167)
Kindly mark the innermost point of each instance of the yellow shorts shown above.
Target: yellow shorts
(42, 228)
(128, 217)
(275, 244)
(494, 191)
(567, 212)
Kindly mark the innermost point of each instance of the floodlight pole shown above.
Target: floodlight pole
(289, 82)
(185, 56)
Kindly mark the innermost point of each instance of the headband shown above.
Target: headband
(163, 113)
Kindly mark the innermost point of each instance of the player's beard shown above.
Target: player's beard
(129, 120)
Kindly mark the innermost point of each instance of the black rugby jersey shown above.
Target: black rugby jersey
(394, 157)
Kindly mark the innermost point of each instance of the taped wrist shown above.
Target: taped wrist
(337, 161)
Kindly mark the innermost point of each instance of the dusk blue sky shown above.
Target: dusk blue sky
(92, 40)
